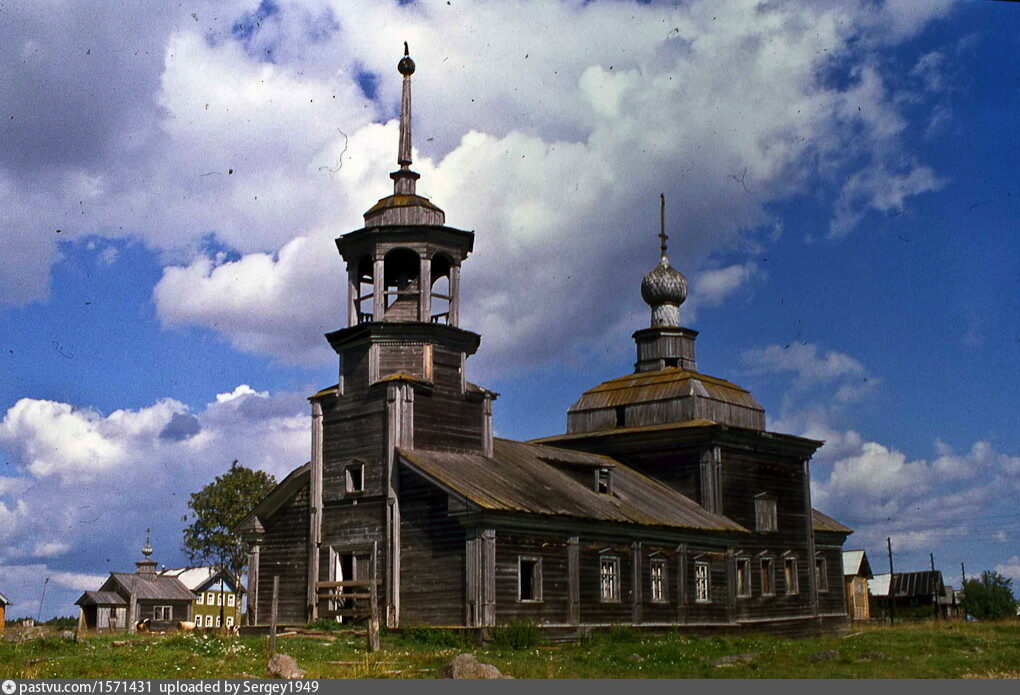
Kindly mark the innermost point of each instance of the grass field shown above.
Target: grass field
(944, 650)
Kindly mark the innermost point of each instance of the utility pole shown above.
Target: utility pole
(38, 616)
(892, 597)
(963, 575)
(935, 586)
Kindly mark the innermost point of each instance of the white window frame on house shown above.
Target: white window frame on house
(210, 598)
(230, 621)
(604, 480)
(766, 517)
(219, 598)
(609, 578)
(209, 620)
(163, 613)
(821, 574)
(201, 598)
(791, 577)
(743, 577)
(702, 581)
(658, 580)
(217, 620)
(534, 564)
(352, 484)
(767, 575)
(231, 600)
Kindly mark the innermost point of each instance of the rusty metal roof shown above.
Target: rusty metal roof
(821, 522)
(660, 385)
(519, 478)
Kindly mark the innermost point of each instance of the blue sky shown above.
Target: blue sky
(840, 192)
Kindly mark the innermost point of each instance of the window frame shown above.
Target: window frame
(792, 587)
(200, 601)
(348, 480)
(604, 474)
(613, 576)
(767, 568)
(821, 574)
(707, 567)
(662, 581)
(210, 598)
(745, 562)
(766, 513)
(231, 600)
(163, 613)
(536, 578)
(230, 621)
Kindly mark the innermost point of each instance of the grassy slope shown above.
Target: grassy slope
(916, 651)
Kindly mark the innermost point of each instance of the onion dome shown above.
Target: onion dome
(406, 66)
(664, 288)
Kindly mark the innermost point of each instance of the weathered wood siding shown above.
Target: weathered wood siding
(284, 553)
(511, 545)
(432, 558)
(833, 599)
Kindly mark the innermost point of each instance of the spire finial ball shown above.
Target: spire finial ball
(406, 66)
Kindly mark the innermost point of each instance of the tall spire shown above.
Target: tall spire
(403, 180)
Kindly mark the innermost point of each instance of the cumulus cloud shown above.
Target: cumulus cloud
(812, 367)
(1011, 568)
(269, 126)
(89, 483)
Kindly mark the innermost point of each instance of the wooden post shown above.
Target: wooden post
(132, 616)
(892, 598)
(272, 615)
(373, 618)
(573, 580)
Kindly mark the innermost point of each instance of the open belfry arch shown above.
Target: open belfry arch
(664, 493)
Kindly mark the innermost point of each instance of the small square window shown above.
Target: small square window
(355, 478)
(768, 577)
(743, 576)
(702, 582)
(609, 579)
(790, 576)
(529, 579)
(657, 571)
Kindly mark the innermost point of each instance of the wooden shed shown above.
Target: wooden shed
(4, 602)
(856, 573)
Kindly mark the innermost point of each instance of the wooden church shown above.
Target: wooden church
(666, 502)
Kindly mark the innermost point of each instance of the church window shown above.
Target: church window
(743, 576)
(604, 481)
(529, 576)
(790, 575)
(609, 578)
(768, 577)
(702, 582)
(765, 513)
(355, 477)
(821, 574)
(657, 569)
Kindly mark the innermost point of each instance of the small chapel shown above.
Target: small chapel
(666, 503)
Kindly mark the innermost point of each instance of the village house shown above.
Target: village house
(665, 503)
(908, 594)
(3, 611)
(856, 573)
(217, 595)
(126, 599)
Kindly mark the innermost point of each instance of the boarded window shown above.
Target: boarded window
(609, 578)
(768, 577)
(743, 576)
(821, 574)
(529, 579)
(765, 513)
(657, 569)
(355, 478)
(790, 575)
(702, 582)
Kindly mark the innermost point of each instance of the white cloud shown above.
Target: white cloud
(551, 138)
(89, 483)
(1011, 568)
(813, 367)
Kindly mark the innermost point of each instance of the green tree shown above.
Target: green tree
(215, 510)
(989, 598)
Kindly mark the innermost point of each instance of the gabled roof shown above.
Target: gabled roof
(283, 491)
(855, 562)
(152, 586)
(821, 522)
(101, 598)
(203, 578)
(520, 478)
(4, 601)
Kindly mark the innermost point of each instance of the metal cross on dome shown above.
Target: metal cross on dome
(663, 237)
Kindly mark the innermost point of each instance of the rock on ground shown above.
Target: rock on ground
(284, 666)
(827, 655)
(735, 659)
(467, 666)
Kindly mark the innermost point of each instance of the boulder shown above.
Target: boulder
(735, 659)
(467, 666)
(872, 656)
(69, 635)
(827, 655)
(284, 666)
